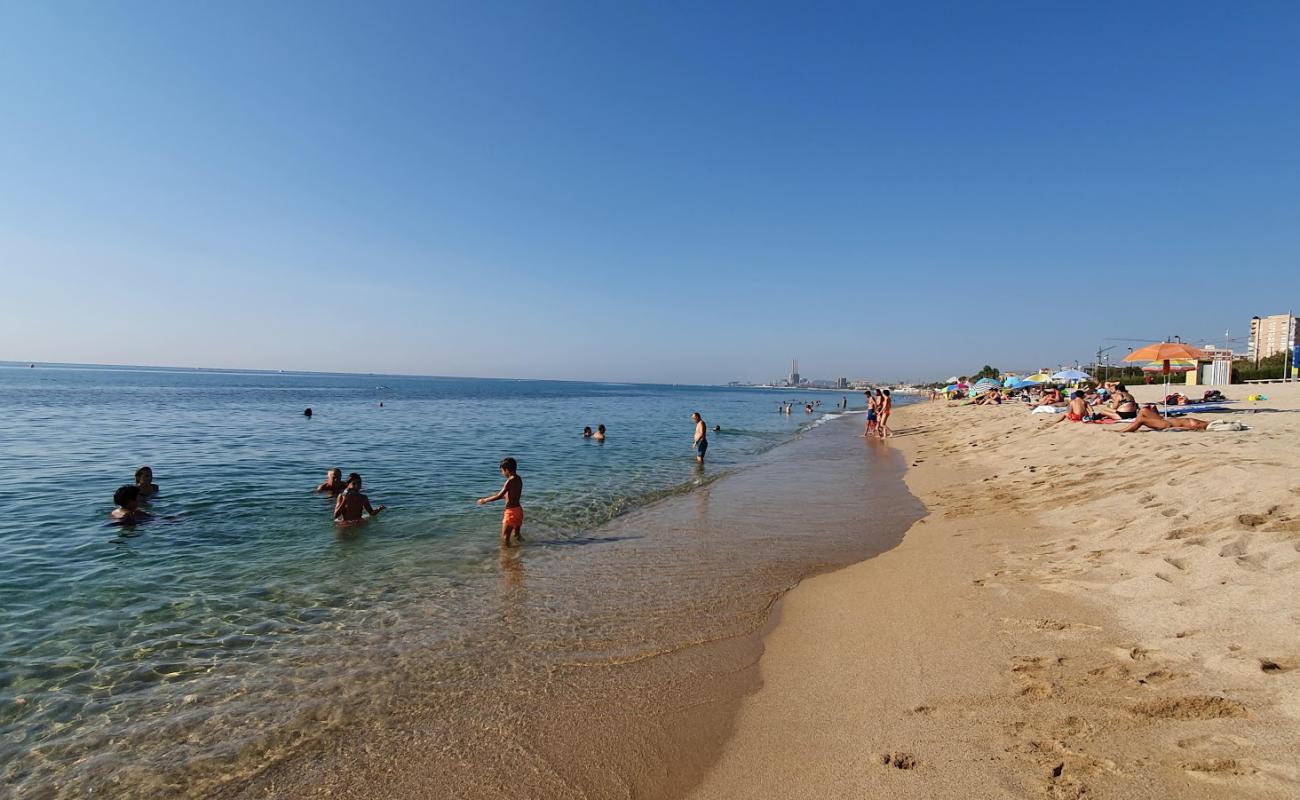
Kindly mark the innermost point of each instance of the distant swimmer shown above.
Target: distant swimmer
(586, 432)
(717, 429)
(307, 412)
(334, 482)
(701, 442)
(512, 522)
(144, 482)
(351, 503)
(127, 500)
(600, 433)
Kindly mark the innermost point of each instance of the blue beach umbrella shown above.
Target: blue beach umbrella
(1071, 375)
(1021, 383)
(985, 384)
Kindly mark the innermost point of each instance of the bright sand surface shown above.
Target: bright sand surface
(1081, 614)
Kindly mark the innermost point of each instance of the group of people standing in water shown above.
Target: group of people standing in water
(352, 506)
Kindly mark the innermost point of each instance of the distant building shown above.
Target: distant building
(1271, 335)
(794, 372)
(841, 383)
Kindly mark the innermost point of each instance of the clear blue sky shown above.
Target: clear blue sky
(689, 192)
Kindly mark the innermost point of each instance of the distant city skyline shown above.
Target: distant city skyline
(669, 194)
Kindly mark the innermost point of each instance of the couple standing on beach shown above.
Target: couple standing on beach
(879, 406)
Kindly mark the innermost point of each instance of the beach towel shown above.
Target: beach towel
(1050, 410)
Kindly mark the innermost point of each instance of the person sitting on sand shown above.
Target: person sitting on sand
(1076, 410)
(144, 482)
(512, 522)
(351, 503)
(127, 500)
(333, 482)
(586, 432)
(1051, 397)
(1150, 418)
(600, 433)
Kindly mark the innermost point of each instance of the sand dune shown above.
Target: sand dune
(1081, 614)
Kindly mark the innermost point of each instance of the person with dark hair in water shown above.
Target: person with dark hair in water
(512, 522)
(600, 433)
(127, 500)
(586, 432)
(144, 480)
(351, 503)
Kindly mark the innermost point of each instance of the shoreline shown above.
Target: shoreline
(652, 711)
(1043, 630)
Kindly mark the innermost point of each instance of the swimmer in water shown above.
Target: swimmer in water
(586, 432)
(600, 433)
(127, 500)
(333, 482)
(144, 482)
(512, 522)
(307, 413)
(349, 505)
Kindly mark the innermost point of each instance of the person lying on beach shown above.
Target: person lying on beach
(349, 505)
(600, 433)
(1150, 418)
(512, 522)
(333, 482)
(127, 500)
(144, 482)
(586, 432)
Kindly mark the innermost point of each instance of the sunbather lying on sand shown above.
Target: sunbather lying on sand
(1149, 418)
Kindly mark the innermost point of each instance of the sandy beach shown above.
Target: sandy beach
(1080, 614)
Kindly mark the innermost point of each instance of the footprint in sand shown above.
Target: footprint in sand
(1191, 708)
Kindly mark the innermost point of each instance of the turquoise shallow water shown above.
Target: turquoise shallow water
(115, 644)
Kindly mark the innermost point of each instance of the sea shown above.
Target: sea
(240, 644)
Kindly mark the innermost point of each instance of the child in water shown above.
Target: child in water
(127, 500)
(350, 504)
(513, 520)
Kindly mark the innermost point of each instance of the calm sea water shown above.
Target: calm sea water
(120, 648)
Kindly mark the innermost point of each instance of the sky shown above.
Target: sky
(643, 191)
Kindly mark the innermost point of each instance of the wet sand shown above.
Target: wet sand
(616, 663)
(1080, 614)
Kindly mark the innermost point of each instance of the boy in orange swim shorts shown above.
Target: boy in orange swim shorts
(512, 523)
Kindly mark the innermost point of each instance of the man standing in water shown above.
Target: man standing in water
(701, 437)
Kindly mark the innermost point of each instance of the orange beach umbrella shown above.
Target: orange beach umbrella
(1165, 351)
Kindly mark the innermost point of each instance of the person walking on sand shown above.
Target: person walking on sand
(886, 408)
(512, 522)
(870, 427)
(701, 442)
